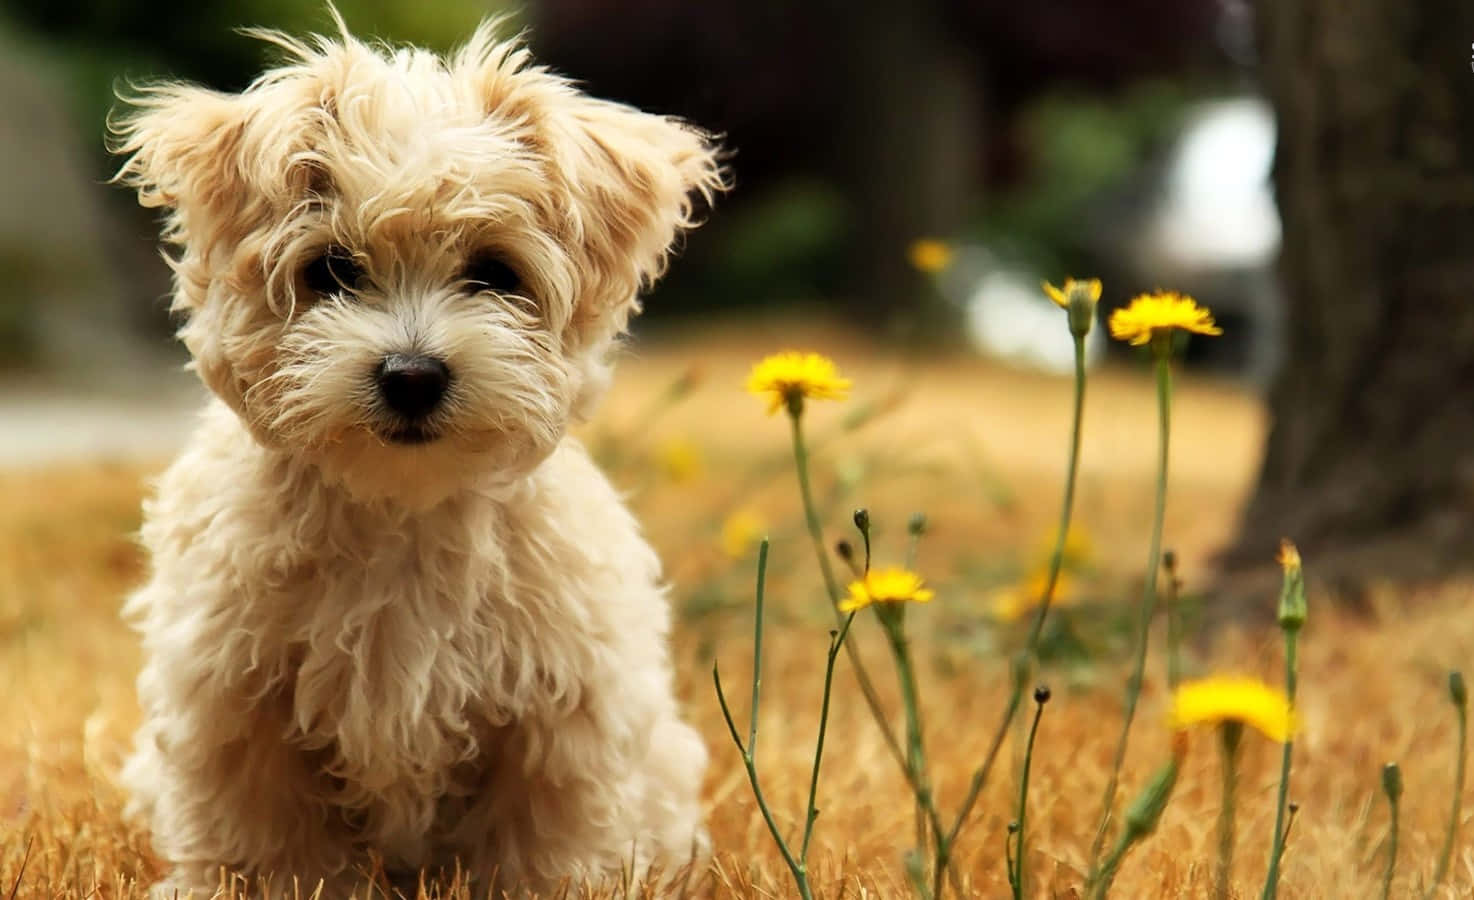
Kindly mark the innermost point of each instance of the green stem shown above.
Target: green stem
(1023, 800)
(980, 776)
(812, 811)
(1231, 733)
(1110, 865)
(1392, 803)
(1161, 349)
(1140, 821)
(1451, 834)
(1067, 506)
(1272, 880)
(757, 643)
(800, 877)
(1174, 622)
(831, 585)
(748, 750)
(895, 629)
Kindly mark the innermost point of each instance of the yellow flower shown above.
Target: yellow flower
(1289, 556)
(1222, 699)
(740, 531)
(1077, 551)
(891, 585)
(929, 255)
(1153, 315)
(789, 377)
(680, 459)
(1012, 602)
(1090, 288)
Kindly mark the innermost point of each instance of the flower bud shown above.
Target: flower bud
(1146, 810)
(1392, 781)
(1292, 607)
(1081, 311)
(862, 520)
(916, 525)
(1456, 689)
(1078, 299)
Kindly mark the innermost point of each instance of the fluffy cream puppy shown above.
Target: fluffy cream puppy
(394, 610)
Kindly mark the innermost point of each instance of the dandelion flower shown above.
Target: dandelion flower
(929, 255)
(1245, 700)
(1156, 315)
(1088, 287)
(1009, 604)
(680, 460)
(890, 585)
(1077, 552)
(740, 531)
(788, 378)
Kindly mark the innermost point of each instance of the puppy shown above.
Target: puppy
(395, 612)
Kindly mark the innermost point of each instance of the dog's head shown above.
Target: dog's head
(394, 262)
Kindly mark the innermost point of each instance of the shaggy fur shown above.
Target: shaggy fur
(439, 642)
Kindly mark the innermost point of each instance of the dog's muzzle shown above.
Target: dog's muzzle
(412, 387)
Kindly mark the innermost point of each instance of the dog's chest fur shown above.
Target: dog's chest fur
(399, 649)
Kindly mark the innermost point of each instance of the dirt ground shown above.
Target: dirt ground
(981, 451)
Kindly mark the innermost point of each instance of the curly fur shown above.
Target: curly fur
(448, 652)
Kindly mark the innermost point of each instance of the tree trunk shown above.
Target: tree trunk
(911, 154)
(1370, 460)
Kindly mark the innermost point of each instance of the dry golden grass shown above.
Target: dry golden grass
(981, 450)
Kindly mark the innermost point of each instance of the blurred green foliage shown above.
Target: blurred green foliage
(1081, 149)
(783, 237)
(103, 44)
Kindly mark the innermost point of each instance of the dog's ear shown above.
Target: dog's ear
(183, 149)
(634, 180)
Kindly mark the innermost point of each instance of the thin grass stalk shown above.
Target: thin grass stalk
(895, 629)
(1161, 349)
(836, 640)
(748, 750)
(1141, 820)
(914, 529)
(1458, 693)
(1067, 505)
(1392, 787)
(980, 776)
(1231, 734)
(800, 877)
(1016, 876)
(831, 585)
(1281, 830)
(757, 644)
(1056, 562)
(1174, 620)
(1100, 886)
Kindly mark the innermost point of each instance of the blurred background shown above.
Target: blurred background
(1126, 140)
(909, 170)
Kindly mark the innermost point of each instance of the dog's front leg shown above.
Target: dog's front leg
(226, 796)
(594, 794)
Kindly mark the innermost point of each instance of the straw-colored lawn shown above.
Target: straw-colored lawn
(981, 451)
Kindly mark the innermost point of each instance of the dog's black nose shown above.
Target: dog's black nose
(412, 385)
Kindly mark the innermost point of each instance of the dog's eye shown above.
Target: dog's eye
(332, 271)
(486, 272)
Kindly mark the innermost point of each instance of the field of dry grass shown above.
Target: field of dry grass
(981, 451)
